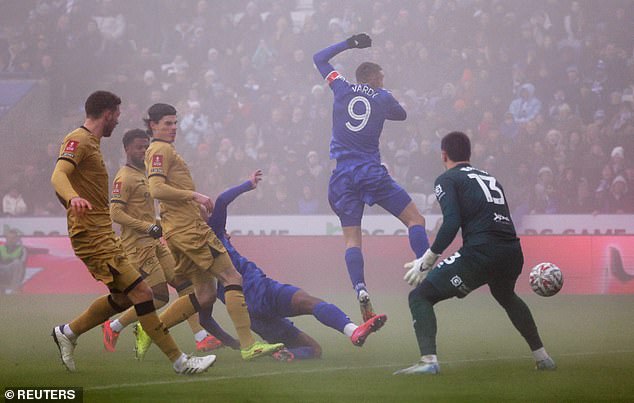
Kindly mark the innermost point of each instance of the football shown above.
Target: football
(546, 279)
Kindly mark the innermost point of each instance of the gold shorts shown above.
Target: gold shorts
(107, 262)
(199, 255)
(154, 261)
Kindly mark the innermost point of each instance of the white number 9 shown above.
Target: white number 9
(363, 119)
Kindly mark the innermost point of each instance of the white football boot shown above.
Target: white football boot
(189, 364)
(66, 348)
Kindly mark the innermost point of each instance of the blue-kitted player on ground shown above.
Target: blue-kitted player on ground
(270, 303)
(359, 112)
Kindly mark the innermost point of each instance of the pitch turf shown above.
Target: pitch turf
(482, 357)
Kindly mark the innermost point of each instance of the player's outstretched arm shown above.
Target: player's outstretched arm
(218, 219)
(322, 57)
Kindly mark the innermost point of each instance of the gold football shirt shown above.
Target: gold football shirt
(131, 206)
(80, 171)
(179, 212)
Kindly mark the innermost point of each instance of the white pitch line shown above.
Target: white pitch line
(198, 379)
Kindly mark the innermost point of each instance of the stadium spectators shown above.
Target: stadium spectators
(13, 203)
(456, 65)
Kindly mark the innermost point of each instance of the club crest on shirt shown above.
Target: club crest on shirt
(439, 192)
(71, 145)
(157, 161)
(157, 164)
(69, 150)
(116, 189)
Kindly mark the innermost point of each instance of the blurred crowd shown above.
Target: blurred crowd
(545, 89)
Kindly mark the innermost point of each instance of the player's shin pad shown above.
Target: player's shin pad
(237, 310)
(177, 312)
(98, 312)
(159, 334)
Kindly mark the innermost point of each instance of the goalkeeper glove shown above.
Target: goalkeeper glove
(419, 268)
(359, 41)
(155, 231)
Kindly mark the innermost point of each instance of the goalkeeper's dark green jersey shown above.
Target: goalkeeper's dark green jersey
(474, 201)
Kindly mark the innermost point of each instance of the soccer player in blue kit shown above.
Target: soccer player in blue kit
(270, 303)
(359, 112)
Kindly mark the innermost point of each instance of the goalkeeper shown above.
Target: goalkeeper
(491, 254)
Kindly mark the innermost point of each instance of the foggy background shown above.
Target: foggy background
(248, 96)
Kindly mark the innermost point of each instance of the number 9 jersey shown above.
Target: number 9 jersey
(473, 200)
(358, 114)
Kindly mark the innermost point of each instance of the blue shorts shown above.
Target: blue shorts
(352, 186)
(269, 307)
(270, 299)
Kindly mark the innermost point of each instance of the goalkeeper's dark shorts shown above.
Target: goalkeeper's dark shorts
(498, 265)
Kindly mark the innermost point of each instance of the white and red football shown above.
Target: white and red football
(546, 279)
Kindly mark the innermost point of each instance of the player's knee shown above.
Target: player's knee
(505, 298)
(304, 303)
(206, 301)
(161, 298)
(182, 287)
(411, 216)
(119, 302)
(424, 291)
(160, 289)
(414, 296)
(140, 292)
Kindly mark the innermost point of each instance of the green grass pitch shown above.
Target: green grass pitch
(482, 357)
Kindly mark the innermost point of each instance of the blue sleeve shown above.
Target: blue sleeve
(448, 199)
(322, 57)
(218, 219)
(394, 110)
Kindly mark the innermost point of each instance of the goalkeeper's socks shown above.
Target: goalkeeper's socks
(424, 319)
(116, 326)
(540, 354)
(354, 263)
(418, 240)
(331, 316)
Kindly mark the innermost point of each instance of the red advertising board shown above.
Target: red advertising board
(591, 264)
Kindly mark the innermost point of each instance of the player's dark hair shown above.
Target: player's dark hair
(156, 112)
(365, 71)
(130, 135)
(457, 146)
(100, 101)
